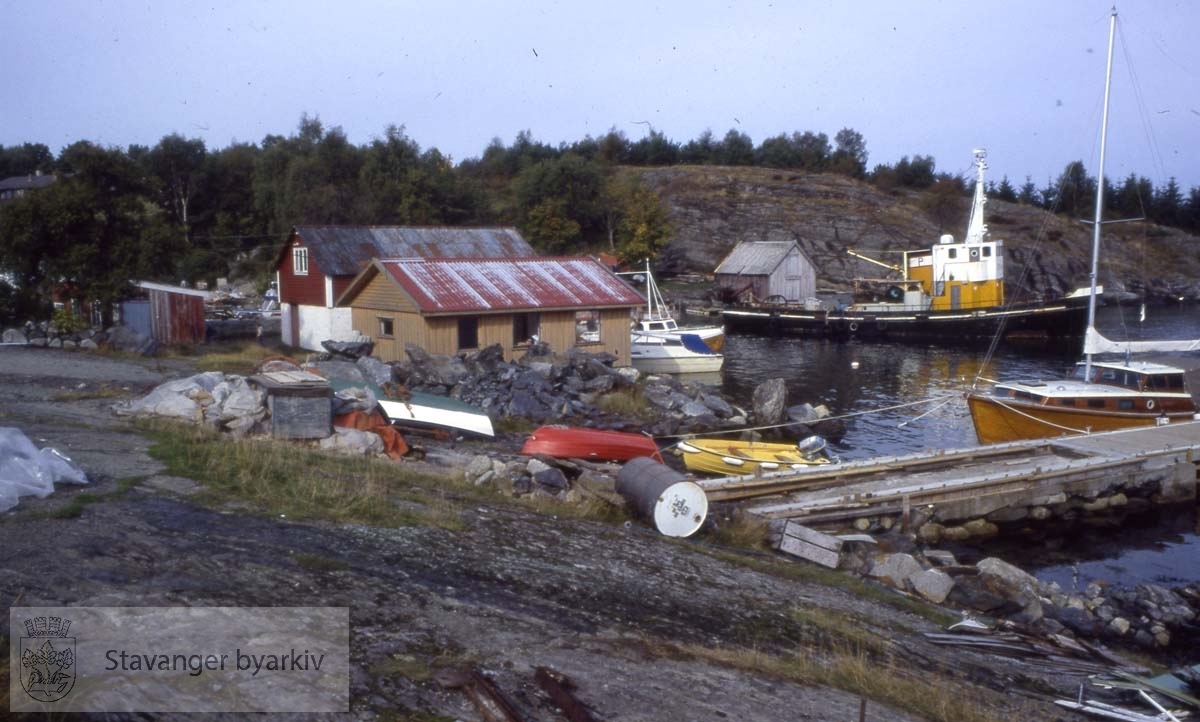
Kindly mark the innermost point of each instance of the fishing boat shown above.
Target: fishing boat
(686, 355)
(950, 292)
(1100, 395)
(574, 442)
(658, 325)
(733, 457)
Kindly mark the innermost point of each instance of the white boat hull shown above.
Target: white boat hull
(658, 358)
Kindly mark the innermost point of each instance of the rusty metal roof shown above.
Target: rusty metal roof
(345, 250)
(443, 286)
(756, 258)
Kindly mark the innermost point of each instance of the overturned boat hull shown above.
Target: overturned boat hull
(572, 442)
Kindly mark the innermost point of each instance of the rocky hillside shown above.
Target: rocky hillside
(713, 208)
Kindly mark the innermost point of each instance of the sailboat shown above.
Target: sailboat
(658, 345)
(657, 324)
(1100, 395)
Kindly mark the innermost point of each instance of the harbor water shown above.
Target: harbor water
(899, 399)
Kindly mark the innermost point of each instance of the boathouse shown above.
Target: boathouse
(317, 264)
(763, 270)
(447, 306)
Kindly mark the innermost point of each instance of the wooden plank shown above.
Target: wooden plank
(812, 536)
(810, 545)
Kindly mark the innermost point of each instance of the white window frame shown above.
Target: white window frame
(300, 261)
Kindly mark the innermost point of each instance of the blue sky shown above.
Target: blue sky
(1022, 79)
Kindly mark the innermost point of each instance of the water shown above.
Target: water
(901, 399)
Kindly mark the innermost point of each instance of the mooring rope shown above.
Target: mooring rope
(940, 400)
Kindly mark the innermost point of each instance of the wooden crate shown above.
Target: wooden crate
(300, 404)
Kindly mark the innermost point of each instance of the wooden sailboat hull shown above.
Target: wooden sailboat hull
(1000, 420)
(570, 442)
(736, 458)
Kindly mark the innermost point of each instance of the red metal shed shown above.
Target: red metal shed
(176, 313)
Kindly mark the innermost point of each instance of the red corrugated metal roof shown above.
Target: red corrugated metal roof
(482, 285)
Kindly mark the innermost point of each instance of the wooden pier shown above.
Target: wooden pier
(975, 482)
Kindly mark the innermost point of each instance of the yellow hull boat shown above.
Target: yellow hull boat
(733, 457)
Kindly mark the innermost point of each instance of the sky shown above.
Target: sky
(1022, 79)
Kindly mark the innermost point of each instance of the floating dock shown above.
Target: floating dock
(975, 482)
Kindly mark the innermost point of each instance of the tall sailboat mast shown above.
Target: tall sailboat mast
(1099, 214)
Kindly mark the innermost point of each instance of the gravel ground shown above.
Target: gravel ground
(515, 590)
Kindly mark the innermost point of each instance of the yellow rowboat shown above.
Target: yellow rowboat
(733, 457)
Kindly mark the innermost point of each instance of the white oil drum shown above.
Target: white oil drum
(677, 507)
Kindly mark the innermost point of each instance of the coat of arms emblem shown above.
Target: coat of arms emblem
(47, 665)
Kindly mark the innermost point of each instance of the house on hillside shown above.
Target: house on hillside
(17, 186)
(761, 270)
(447, 306)
(317, 264)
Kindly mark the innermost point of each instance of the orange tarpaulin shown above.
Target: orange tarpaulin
(393, 443)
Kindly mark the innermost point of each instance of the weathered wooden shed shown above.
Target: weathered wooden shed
(447, 306)
(176, 313)
(759, 270)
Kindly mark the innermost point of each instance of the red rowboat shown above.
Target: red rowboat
(573, 442)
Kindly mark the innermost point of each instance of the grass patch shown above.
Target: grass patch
(102, 392)
(923, 693)
(238, 358)
(629, 402)
(83, 499)
(743, 531)
(287, 479)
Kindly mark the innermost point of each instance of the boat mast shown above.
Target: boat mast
(976, 227)
(1098, 215)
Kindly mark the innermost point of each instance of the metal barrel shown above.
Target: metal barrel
(677, 507)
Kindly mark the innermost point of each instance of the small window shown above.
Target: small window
(1096, 403)
(387, 327)
(951, 253)
(987, 251)
(525, 328)
(300, 261)
(587, 327)
(1125, 404)
(468, 333)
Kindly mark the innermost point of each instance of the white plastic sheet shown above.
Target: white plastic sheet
(26, 470)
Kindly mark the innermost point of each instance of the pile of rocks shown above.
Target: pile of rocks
(45, 335)
(1147, 615)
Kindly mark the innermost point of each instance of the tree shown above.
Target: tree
(654, 149)
(1029, 194)
(644, 227)
(814, 150)
(1005, 191)
(1076, 191)
(553, 191)
(87, 235)
(175, 165)
(1168, 204)
(701, 151)
(25, 159)
(736, 149)
(850, 153)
